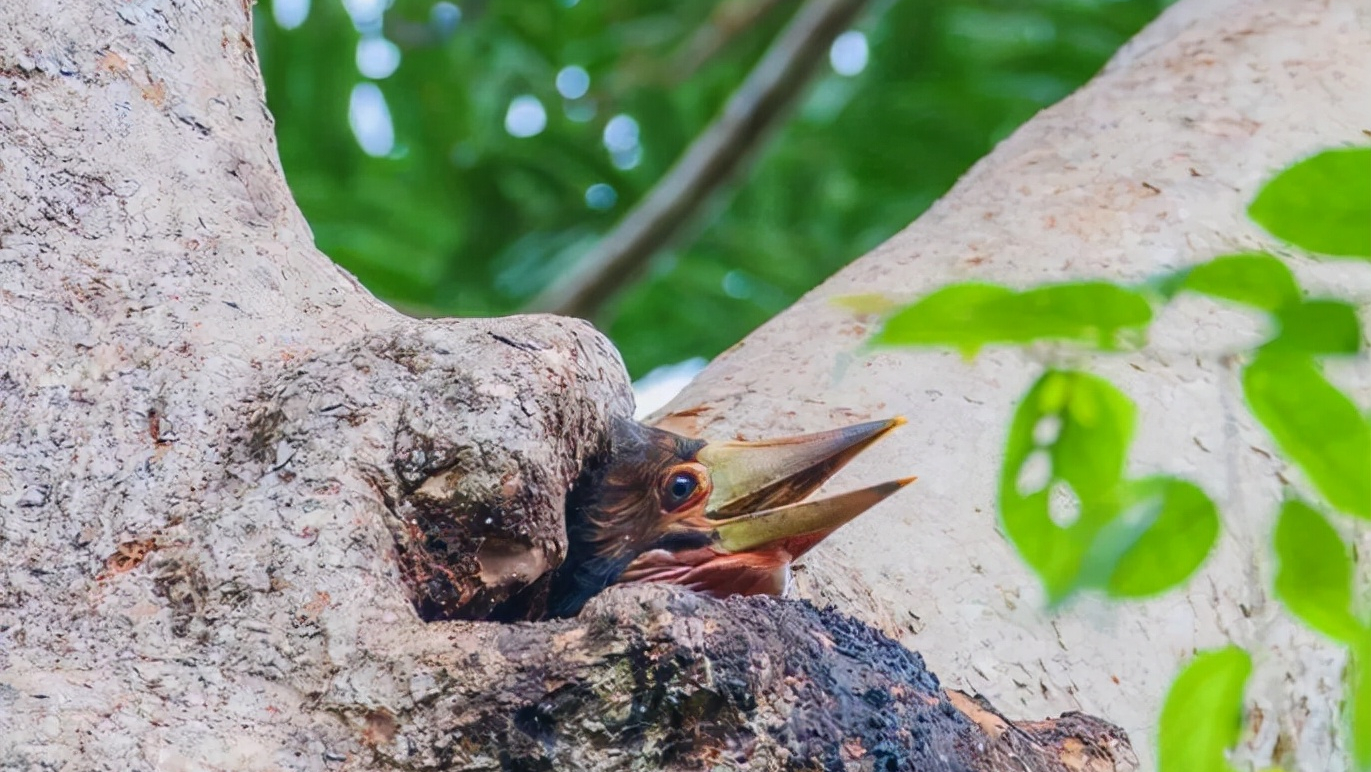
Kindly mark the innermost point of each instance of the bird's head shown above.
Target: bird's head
(723, 518)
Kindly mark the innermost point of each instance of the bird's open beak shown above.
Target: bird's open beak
(759, 487)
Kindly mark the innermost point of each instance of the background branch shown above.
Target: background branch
(710, 161)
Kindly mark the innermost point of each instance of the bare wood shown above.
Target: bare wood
(758, 105)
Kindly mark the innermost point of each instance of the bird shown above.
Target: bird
(720, 518)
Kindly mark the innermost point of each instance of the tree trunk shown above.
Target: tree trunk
(228, 476)
(1148, 168)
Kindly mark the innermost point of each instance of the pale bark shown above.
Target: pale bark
(208, 433)
(1148, 168)
(219, 458)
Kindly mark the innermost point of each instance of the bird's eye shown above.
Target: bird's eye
(680, 487)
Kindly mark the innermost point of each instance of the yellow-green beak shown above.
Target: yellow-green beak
(759, 487)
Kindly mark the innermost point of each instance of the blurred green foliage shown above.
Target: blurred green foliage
(462, 218)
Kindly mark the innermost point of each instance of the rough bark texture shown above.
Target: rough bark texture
(229, 478)
(1149, 167)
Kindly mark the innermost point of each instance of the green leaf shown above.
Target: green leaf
(969, 316)
(1315, 576)
(1359, 705)
(1322, 204)
(1252, 278)
(1092, 443)
(1264, 282)
(1044, 546)
(1070, 437)
(1081, 426)
(1317, 327)
(1203, 714)
(1176, 528)
(957, 315)
(1315, 425)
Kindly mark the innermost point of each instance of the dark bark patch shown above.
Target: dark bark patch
(264, 432)
(665, 679)
(182, 585)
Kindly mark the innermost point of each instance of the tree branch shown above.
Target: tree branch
(710, 161)
(726, 23)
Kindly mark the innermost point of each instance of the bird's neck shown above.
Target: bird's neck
(585, 572)
(582, 576)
